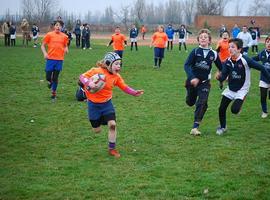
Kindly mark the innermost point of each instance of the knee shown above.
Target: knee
(97, 130)
(189, 102)
(112, 125)
(235, 110)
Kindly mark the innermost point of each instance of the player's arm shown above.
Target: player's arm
(218, 62)
(86, 81)
(43, 49)
(110, 43)
(127, 89)
(258, 66)
(222, 76)
(188, 65)
(256, 58)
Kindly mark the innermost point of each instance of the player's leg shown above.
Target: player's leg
(237, 105)
(263, 92)
(201, 104)
(224, 103)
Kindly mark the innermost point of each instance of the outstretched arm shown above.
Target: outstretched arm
(133, 92)
(258, 66)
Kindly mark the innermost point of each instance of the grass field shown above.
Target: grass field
(49, 152)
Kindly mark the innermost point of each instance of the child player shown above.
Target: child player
(198, 69)
(119, 41)
(159, 40)
(264, 84)
(237, 70)
(57, 47)
(100, 107)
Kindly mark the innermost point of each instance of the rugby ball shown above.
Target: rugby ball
(99, 80)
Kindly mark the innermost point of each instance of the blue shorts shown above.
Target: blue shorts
(54, 65)
(100, 113)
(159, 52)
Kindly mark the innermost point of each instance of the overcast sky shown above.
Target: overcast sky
(82, 6)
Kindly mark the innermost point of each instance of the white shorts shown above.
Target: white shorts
(170, 40)
(264, 84)
(35, 37)
(254, 42)
(240, 94)
(133, 39)
(13, 36)
(182, 40)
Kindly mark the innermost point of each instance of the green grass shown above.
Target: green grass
(58, 157)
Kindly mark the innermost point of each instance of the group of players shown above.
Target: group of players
(235, 69)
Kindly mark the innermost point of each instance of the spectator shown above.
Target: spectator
(6, 32)
(25, 32)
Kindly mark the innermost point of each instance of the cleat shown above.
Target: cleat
(114, 152)
(221, 131)
(195, 132)
(264, 115)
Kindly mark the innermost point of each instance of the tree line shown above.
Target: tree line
(140, 12)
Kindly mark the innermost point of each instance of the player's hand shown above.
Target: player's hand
(217, 75)
(91, 85)
(139, 93)
(45, 55)
(194, 82)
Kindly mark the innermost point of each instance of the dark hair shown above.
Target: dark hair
(58, 21)
(238, 42)
(226, 32)
(267, 38)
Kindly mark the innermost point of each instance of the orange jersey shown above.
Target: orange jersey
(223, 50)
(111, 80)
(57, 43)
(159, 39)
(118, 41)
(143, 30)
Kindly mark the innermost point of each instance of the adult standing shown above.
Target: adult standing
(245, 36)
(77, 31)
(6, 32)
(25, 31)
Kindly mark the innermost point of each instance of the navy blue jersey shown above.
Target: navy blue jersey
(86, 32)
(182, 33)
(35, 30)
(12, 30)
(133, 33)
(264, 57)
(77, 29)
(199, 63)
(238, 72)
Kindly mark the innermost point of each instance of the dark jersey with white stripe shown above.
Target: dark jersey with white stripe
(238, 72)
(199, 63)
(264, 57)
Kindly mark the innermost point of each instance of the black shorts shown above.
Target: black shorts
(103, 120)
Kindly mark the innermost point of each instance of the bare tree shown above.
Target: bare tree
(173, 12)
(259, 8)
(27, 9)
(124, 16)
(42, 9)
(189, 10)
(108, 16)
(38, 10)
(139, 9)
(211, 7)
(237, 7)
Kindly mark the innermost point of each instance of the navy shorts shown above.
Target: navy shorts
(100, 113)
(159, 52)
(54, 65)
(120, 53)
